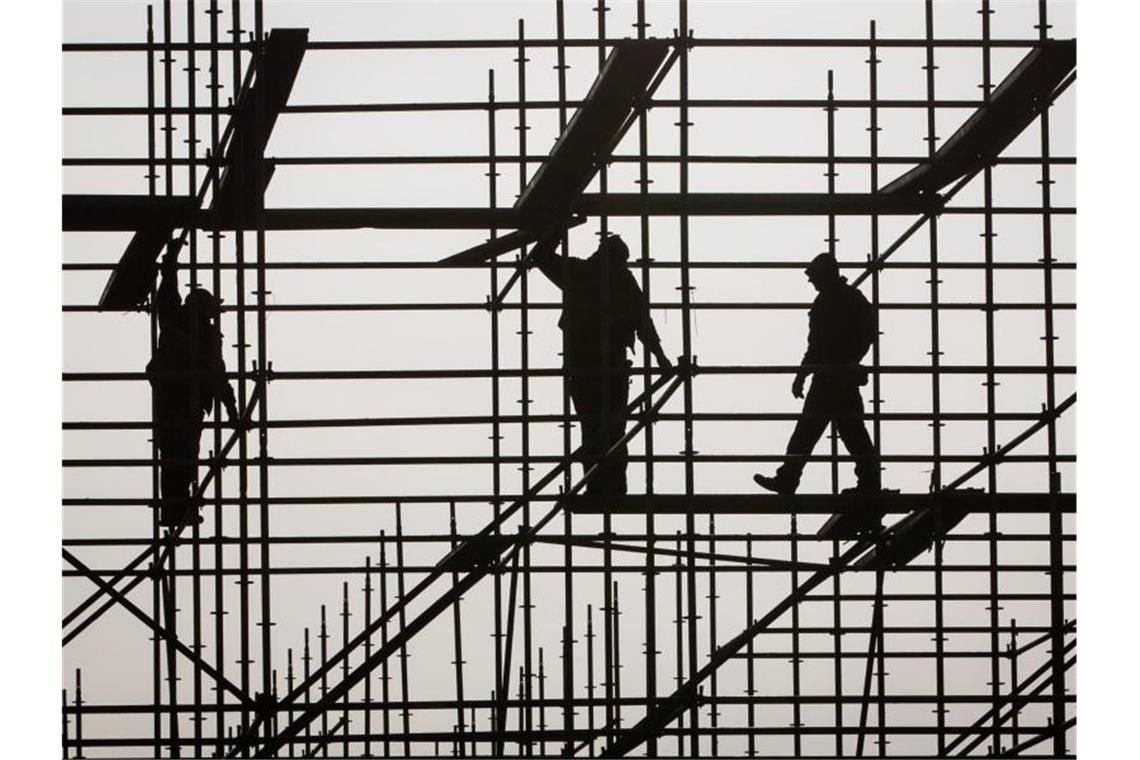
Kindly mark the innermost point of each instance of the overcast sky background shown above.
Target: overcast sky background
(115, 654)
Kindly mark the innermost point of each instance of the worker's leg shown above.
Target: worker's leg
(178, 444)
(611, 477)
(850, 425)
(809, 427)
(587, 405)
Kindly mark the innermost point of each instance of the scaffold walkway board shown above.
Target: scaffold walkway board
(133, 277)
(1015, 103)
(777, 504)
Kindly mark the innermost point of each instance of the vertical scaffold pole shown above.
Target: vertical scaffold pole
(524, 406)
(214, 157)
(990, 383)
(264, 561)
(243, 580)
(367, 654)
(567, 439)
(714, 711)
(344, 615)
(289, 681)
(405, 713)
(192, 187)
(836, 604)
(156, 583)
(643, 182)
(385, 676)
(496, 425)
(1056, 523)
(876, 375)
(935, 395)
(608, 620)
(679, 633)
(65, 747)
(683, 124)
(590, 674)
(750, 648)
(457, 635)
(169, 575)
(797, 721)
(307, 660)
(79, 713)
(324, 637)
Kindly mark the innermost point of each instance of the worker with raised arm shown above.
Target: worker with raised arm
(187, 376)
(603, 309)
(841, 328)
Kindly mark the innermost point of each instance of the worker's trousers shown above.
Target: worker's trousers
(178, 433)
(600, 401)
(836, 401)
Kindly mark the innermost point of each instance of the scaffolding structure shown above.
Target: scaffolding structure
(515, 615)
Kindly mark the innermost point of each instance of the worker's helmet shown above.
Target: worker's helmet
(823, 265)
(203, 304)
(614, 249)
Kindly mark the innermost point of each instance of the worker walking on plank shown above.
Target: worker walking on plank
(602, 310)
(187, 375)
(841, 328)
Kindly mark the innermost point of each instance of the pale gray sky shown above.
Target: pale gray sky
(115, 653)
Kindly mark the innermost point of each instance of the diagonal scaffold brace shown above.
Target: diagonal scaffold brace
(168, 542)
(480, 556)
(688, 694)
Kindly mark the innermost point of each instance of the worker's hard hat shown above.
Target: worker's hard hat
(824, 264)
(203, 303)
(613, 247)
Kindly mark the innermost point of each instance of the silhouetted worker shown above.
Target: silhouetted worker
(841, 328)
(187, 375)
(602, 309)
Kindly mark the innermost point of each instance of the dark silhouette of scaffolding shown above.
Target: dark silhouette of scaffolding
(337, 695)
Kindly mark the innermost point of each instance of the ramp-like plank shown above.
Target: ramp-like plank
(1015, 103)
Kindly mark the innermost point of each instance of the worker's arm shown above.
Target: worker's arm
(223, 391)
(543, 256)
(811, 356)
(647, 331)
(868, 324)
(166, 300)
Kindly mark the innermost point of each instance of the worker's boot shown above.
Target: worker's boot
(782, 485)
(864, 488)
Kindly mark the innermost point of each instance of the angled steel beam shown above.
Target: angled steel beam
(1041, 737)
(1014, 698)
(687, 695)
(626, 79)
(255, 114)
(1032, 85)
(631, 74)
(916, 532)
(876, 264)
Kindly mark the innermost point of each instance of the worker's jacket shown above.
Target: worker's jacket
(187, 369)
(603, 309)
(841, 329)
